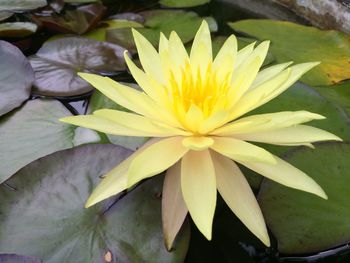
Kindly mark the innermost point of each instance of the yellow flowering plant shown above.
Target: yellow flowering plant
(192, 107)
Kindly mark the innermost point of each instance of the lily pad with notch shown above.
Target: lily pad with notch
(45, 216)
(57, 63)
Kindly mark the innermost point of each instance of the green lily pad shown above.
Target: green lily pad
(304, 223)
(21, 5)
(45, 217)
(17, 29)
(13, 89)
(57, 63)
(77, 21)
(293, 42)
(33, 131)
(184, 23)
(183, 3)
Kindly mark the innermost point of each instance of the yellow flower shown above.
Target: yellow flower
(193, 106)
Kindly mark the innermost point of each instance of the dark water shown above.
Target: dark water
(228, 245)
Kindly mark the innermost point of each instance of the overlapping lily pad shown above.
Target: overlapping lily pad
(293, 42)
(13, 89)
(78, 21)
(21, 5)
(33, 131)
(57, 63)
(301, 222)
(45, 216)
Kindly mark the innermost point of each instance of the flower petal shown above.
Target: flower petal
(224, 61)
(236, 192)
(149, 85)
(156, 159)
(197, 143)
(174, 209)
(115, 181)
(269, 73)
(149, 57)
(139, 123)
(241, 151)
(270, 89)
(201, 51)
(286, 174)
(243, 54)
(266, 122)
(199, 189)
(296, 135)
(244, 75)
(106, 126)
(129, 98)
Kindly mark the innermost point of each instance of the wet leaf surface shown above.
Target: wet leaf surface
(57, 63)
(33, 131)
(293, 42)
(45, 216)
(13, 89)
(304, 223)
(17, 29)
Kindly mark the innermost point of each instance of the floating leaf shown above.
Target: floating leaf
(33, 131)
(76, 21)
(21, 5)
(16, 77)
(293, 42)
(45, 216)
(183, 3)
(17, 29)
(57, 63)
(304, 223)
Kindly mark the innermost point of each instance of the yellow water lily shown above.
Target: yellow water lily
(193, 105)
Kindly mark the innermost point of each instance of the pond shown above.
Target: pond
(48, 169)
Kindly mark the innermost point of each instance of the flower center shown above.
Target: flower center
(204, 90)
